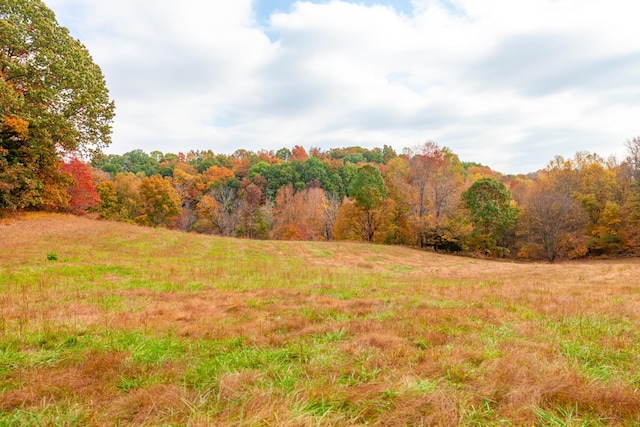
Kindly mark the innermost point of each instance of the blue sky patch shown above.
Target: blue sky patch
(264, 8)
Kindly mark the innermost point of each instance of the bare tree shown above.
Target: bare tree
(552, 221)
(633, 158)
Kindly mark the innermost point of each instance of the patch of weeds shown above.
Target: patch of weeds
(492, 282)
(329, 337)
(491, 353)
(421, 343)
(447, 304)
(482, 414)
(459, 373)
(223, 358)
(494, 334)
(359, 376)
(339, 293)
(593, 327)
(319, 253)
(569, 416)
(167, 286)
(40, 351)
(143, 349)
(598, 362)
(49, 415)
(453, 330)
(11, 359)
(381, 316)
(401, 268)
(52, 256)
(283, 379)
(55, 340)
(390, 394)
(259, 303)
(126, 384)
(365, 265)
(424, 386)
(323, 405)
(111, 303)
(193, 287)
(452, 283)
(603, 347)
(157, 351)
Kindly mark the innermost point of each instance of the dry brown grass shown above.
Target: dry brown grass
(139, 326)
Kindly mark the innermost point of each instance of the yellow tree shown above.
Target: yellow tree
(400, 228)
(436, 180)
(591, 180)
(108, 208)
(160, 203)
(190, 187)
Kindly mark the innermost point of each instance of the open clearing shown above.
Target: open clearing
(104, 323)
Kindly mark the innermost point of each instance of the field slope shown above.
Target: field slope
(104, 323)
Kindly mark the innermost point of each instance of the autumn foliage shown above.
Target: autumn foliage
(83, 195)
(53, 102)
(425, 197)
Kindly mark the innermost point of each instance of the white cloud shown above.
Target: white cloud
(509, 84)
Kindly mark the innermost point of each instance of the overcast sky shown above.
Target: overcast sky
(507, 83)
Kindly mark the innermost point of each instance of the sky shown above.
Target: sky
(509, 84)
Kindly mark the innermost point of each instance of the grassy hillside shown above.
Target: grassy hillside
(104, 323)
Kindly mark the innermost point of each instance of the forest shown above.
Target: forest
(423, 197)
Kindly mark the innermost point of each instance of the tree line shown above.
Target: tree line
(425, 197)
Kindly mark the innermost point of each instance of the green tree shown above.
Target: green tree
(283, 154)
(138, 161)
(50, 84)
(367, 187)
(492, 212)
(369, 192)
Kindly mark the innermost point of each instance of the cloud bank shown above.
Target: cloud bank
(508, 84)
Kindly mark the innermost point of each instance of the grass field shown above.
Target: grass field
(104, 323)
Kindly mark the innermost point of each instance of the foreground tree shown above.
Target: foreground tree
(53, 100)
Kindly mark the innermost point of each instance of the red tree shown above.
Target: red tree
(83, 192)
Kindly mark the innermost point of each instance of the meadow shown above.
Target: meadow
(104, 323)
